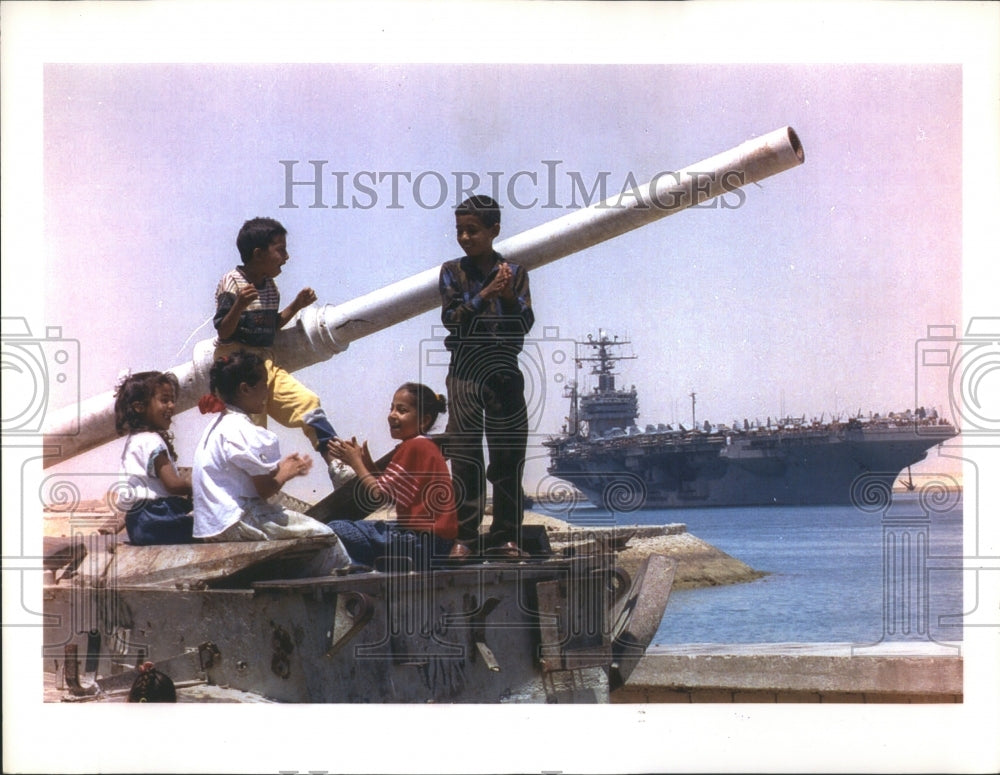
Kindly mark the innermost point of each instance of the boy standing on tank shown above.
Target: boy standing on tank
(486, 308)
(248, 314)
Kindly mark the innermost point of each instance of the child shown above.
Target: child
(157, 499)
(416, 481)
(486, 307)
(238, 465)
(247, 317)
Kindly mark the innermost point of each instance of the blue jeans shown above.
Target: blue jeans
(368, 540)
(160, 521)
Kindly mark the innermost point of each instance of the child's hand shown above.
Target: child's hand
(334, 450)
(246, 296)
(349, 452)
(366, 457)
(294, 465)
(507, 290)
(499, 285)
(306, 297)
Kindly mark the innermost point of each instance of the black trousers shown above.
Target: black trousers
(490, 404)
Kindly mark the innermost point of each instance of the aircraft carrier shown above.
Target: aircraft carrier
(783, 462)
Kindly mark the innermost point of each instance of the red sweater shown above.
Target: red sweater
(419, 483)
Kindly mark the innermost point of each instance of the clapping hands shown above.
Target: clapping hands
(350, 452)
(501, 284)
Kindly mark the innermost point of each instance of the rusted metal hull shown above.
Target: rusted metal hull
(549, 630)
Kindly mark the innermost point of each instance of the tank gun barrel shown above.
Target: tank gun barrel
(322, 331)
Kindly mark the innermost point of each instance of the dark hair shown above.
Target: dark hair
(427, 401)
(230, 371)
(257, 233)
(139, 389)
(152, 686)
(483, 207)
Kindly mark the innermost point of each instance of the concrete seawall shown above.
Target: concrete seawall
(890, 672)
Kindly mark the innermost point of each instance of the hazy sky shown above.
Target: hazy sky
(805, 295)
(138, 137)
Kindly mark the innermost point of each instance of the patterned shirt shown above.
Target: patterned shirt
(260, 321)
(475, 326)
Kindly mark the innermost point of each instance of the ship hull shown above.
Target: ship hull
(777, 469)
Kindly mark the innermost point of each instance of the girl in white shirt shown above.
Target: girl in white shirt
(156, 498)
(238, 465)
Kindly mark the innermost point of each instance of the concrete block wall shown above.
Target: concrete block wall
(904, 672)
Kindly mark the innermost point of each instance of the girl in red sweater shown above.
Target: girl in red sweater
(416, 481)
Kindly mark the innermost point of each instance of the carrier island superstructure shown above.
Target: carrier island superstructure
(788, 461)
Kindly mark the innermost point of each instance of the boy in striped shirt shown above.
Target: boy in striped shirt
(248, 314)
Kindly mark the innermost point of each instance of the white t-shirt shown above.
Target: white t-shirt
(138, 476)
(231, 452)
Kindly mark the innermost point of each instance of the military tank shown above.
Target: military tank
(560, 625)
(564, 626)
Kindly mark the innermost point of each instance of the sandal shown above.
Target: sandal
(509, 550)
(350, 570)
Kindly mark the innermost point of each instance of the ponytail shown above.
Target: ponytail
(428, 402)
(229, 372)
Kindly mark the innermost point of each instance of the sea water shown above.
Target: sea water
(834, 573)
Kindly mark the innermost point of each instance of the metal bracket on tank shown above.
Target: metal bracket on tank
(281, 651)
(620, 584)
(71, 668)
(479, 633)
(354, 611)
(571, 629)
(639, 616)
(208, 653)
